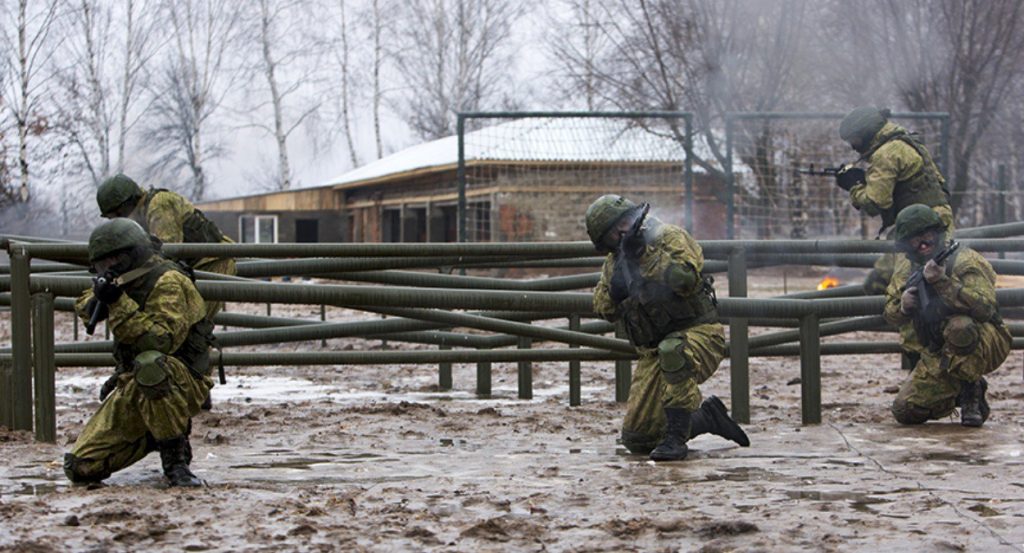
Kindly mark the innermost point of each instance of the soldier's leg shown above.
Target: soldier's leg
(973, 350)
(169, 395)
(644, 423)
(930, 392)
(114, 438)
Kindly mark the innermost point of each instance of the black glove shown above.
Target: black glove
(105, 290)
(95, 304)
(618, 287)
(108, 387)
(848, 177)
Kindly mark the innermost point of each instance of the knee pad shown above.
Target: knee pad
(961, 334)
(639, 443)
(151, 374)
(675, 364)
(908, 413)
(78, 470)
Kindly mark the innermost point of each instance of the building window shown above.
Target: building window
(258, 229)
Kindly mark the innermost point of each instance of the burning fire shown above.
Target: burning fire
(828, 282)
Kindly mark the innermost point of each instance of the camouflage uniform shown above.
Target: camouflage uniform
(900, 173)
(669, 248)
(153, 322)
(173, 219)
(967, 291)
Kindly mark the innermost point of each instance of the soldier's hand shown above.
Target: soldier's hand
(108, 387)
(106, 290)
(909, 301)
(933, 271)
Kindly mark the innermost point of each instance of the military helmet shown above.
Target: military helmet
(118, 235)
(604, 213)
(115, 191)
(862, 124)
(915, 220)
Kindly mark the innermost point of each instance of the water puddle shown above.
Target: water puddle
(946, 456)
(744, 474)
(860, 502)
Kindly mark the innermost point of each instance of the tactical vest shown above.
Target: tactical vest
(929, 324)
(653, 310)
(923, 187)
(193, 352)
(195, 229)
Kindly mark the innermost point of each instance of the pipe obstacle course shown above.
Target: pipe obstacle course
(423, 307)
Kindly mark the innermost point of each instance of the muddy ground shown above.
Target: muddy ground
(375, 459)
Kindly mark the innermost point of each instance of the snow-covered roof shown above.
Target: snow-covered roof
(530, 139)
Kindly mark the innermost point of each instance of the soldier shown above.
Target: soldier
(168, 216)
(962, 334)
(161, 339)
(652, 281)
(900, 173)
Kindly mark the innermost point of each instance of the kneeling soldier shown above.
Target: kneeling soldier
(652, 281)
(955, 318)
(161, 348)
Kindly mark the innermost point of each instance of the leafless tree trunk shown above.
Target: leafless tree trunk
(378, 61)
(191, 88)
(346, 71)
(139, 49)
(29, 48)
(454, 57)
(576, 53)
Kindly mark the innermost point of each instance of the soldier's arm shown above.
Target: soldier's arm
(892, 312)
(683, 260)
(164, 218)
(172, 307)
(875, 195)
(968, 291)
(603, 304)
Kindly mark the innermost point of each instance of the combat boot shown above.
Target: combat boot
(713, 418)
(677, 432)
(974, 408)
(173, 458)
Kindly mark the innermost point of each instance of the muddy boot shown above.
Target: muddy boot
(974, 408)
(677, 432)
(172, 457)
(713, 418)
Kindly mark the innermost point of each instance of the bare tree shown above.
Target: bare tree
(190, 88)
(576, 44)
(342, 55)
(378, 61)
(29, 47)
(139, 49)
(453, 55)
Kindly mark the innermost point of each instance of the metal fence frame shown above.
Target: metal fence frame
(460, 126)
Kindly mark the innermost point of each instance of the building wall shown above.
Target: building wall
(329, 223)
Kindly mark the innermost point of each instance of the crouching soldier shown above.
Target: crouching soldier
(955, 319)
(161, 338)
(652, 281)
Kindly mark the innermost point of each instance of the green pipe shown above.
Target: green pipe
(810, 370)
(21, 341)
(827, 329)
(45, 369)
(847, 291)
(574, 366)
(429, 357)
(327, 266)
(991, 231)
(510, 327)
(428, 280)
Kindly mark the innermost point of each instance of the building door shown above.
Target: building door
(307, 230)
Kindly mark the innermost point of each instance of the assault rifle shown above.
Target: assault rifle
(928, 317)
(97, 309)
(626, 272)
(847, 176)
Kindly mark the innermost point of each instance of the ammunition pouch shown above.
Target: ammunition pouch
(151, 375)
(198, 229)
(195, 350)
(653, 310)
(676, 365)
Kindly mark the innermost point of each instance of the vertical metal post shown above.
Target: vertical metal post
(525, 371)
(460, 174)
(944, 162)
(623, 371)
(574, 365)
(21, 339)
(74, 326)
(1003, 187)
(6, 394)
(688, 171)
(45, 367)
(739, 351)
(323, 318)
(483, 379)
(810, 369)
(444, 372)
(730, 182)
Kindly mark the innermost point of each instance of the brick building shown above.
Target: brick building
(526, 180)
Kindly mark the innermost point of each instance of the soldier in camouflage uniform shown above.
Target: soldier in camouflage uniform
(652, 282)
(161, 344)
(900, 172)
(168, 216)
(961, 333)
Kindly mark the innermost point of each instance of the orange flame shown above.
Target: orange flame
(828, 282)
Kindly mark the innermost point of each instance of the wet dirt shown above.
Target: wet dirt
(376, 459)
